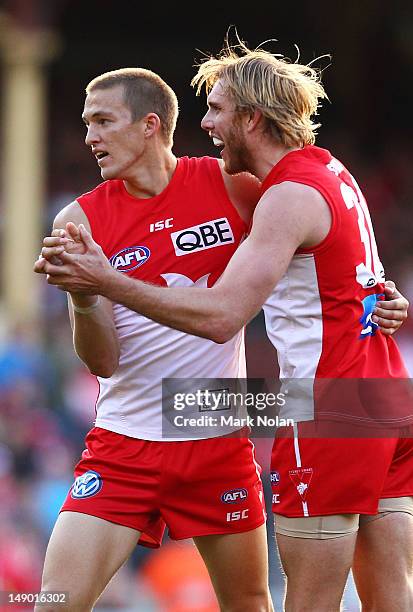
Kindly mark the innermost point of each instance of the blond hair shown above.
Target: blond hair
(287, 94)
(144, 92)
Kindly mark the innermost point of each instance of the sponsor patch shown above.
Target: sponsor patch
(234, 496)
(204, 236)
(130, 258)
(86, 485)
(301, 478)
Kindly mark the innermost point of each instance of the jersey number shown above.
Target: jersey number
(370, 271)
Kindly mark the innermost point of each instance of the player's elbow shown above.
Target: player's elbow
(102, 370)
(221, 329)
(221, 338)
(105, 367)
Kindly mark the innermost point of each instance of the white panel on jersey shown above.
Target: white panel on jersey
(130, 402)
(180, 280)
(293, 318)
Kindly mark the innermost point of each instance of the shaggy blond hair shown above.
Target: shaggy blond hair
(144, 92)
(287, 94)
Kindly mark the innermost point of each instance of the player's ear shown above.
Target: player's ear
(152, 124)
(254, 117)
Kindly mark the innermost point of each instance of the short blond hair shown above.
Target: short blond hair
(287, 93)
(144, 92)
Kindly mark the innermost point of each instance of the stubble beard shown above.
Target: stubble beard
(237, 155)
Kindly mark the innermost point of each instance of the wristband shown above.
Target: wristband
(87, 309)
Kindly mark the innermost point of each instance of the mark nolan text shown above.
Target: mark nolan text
(231, 421)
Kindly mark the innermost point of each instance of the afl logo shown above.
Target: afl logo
(274, 478)
(86, 485)
(130, 258)
(234, 496)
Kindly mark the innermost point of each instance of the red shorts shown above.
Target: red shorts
(325, 476)
(195, 488)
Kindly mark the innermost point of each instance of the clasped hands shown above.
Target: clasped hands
(73, 261)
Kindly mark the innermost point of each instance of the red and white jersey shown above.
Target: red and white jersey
(319, 315)
(185, 237)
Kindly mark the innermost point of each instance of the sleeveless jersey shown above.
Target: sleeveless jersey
(184, 236)
(319, 315)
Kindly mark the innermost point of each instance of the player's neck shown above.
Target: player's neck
(268, 155)
(152, 177)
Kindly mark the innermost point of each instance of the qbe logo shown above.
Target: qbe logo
(130, 258)
(86, 485)
(234, 496)
(207, 235)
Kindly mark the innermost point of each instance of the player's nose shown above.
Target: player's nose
(206, 122)
(92, 136)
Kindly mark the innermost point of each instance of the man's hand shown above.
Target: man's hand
(62, 240)
(83, 267)
(391, 313)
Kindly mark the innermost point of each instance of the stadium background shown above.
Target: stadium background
(46, 395)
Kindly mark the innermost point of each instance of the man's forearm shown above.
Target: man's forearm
(216, 313)
(94, 335)
(194, 310)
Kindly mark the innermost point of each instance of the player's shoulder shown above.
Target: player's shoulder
(292, 197)
(88, 205)
(199, 164)
(73, 213)
(291, 188)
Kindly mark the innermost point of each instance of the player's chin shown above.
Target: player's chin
(232, 165)
(108, 173)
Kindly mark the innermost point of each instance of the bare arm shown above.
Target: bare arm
(280, 226)
(287, 216)
(94, 335)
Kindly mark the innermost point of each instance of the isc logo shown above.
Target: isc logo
(160, 225)
(237, 515)
(234, 496)
(201, 237)
(130, 258)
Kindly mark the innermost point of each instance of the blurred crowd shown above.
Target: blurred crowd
(47, 400)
